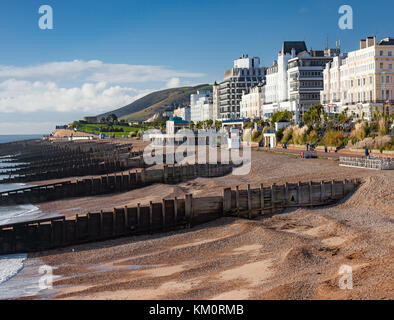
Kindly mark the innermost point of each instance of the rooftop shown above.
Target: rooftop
(299, 46)
(178, 120)
(387, 42)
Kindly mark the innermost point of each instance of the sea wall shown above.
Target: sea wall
(168, 214)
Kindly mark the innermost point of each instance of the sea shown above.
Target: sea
(12, 286)
(19, 137)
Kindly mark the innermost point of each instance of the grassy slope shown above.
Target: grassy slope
(152, 103)
(95, 128)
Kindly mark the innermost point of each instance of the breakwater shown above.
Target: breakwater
(118, 182)
(43, 160)
(169, 214)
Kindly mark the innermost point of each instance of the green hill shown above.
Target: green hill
(147, 106)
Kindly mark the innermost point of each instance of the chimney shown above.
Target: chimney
(363, 43)
(371, 41)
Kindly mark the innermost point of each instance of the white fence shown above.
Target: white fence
(377, 164)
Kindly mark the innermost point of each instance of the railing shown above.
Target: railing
(377, 164)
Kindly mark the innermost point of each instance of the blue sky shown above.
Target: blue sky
(104, 54)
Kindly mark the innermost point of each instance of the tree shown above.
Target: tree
(218, 124)
(209, 123)
(313, 116)
(261, 123)
(281, 115)
(112, 117)
(74, 125)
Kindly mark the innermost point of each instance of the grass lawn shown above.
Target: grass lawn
(95, 128)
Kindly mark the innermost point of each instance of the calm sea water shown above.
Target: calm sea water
(11, 138)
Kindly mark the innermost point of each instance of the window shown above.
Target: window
(381, 53)
(387, 79)
(390, 53)
(382, 80)
(390, 66)
(370, 80)
(381, 65)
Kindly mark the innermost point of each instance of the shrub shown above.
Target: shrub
(300, 135)
(256, 135)
(334, 138)
(249, 125)
(279, 135)
(359, 133)
(287, 135)
(312, 137)
(383, 126)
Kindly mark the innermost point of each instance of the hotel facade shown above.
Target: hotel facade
(295, 80)
(362, 81)
(245, 74)
(251, 102)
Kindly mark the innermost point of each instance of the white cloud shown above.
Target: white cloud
(96, 86)
(93, 70)
(27, 96)
(173, 83)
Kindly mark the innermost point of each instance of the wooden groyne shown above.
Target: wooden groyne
(112, 183)
(42, 160)
(78, 170)
(38, 150)
(169, 214)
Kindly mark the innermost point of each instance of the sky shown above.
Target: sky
(101, 55)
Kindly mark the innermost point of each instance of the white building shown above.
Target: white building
(168, 112)
(174, 124)
(305, 79)
(201, 106)
(245, 74)
(215, 101)
(295, 80)
(330, 96)
(251, 102)
(363, 81)
(183, 112)
(276, 95)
